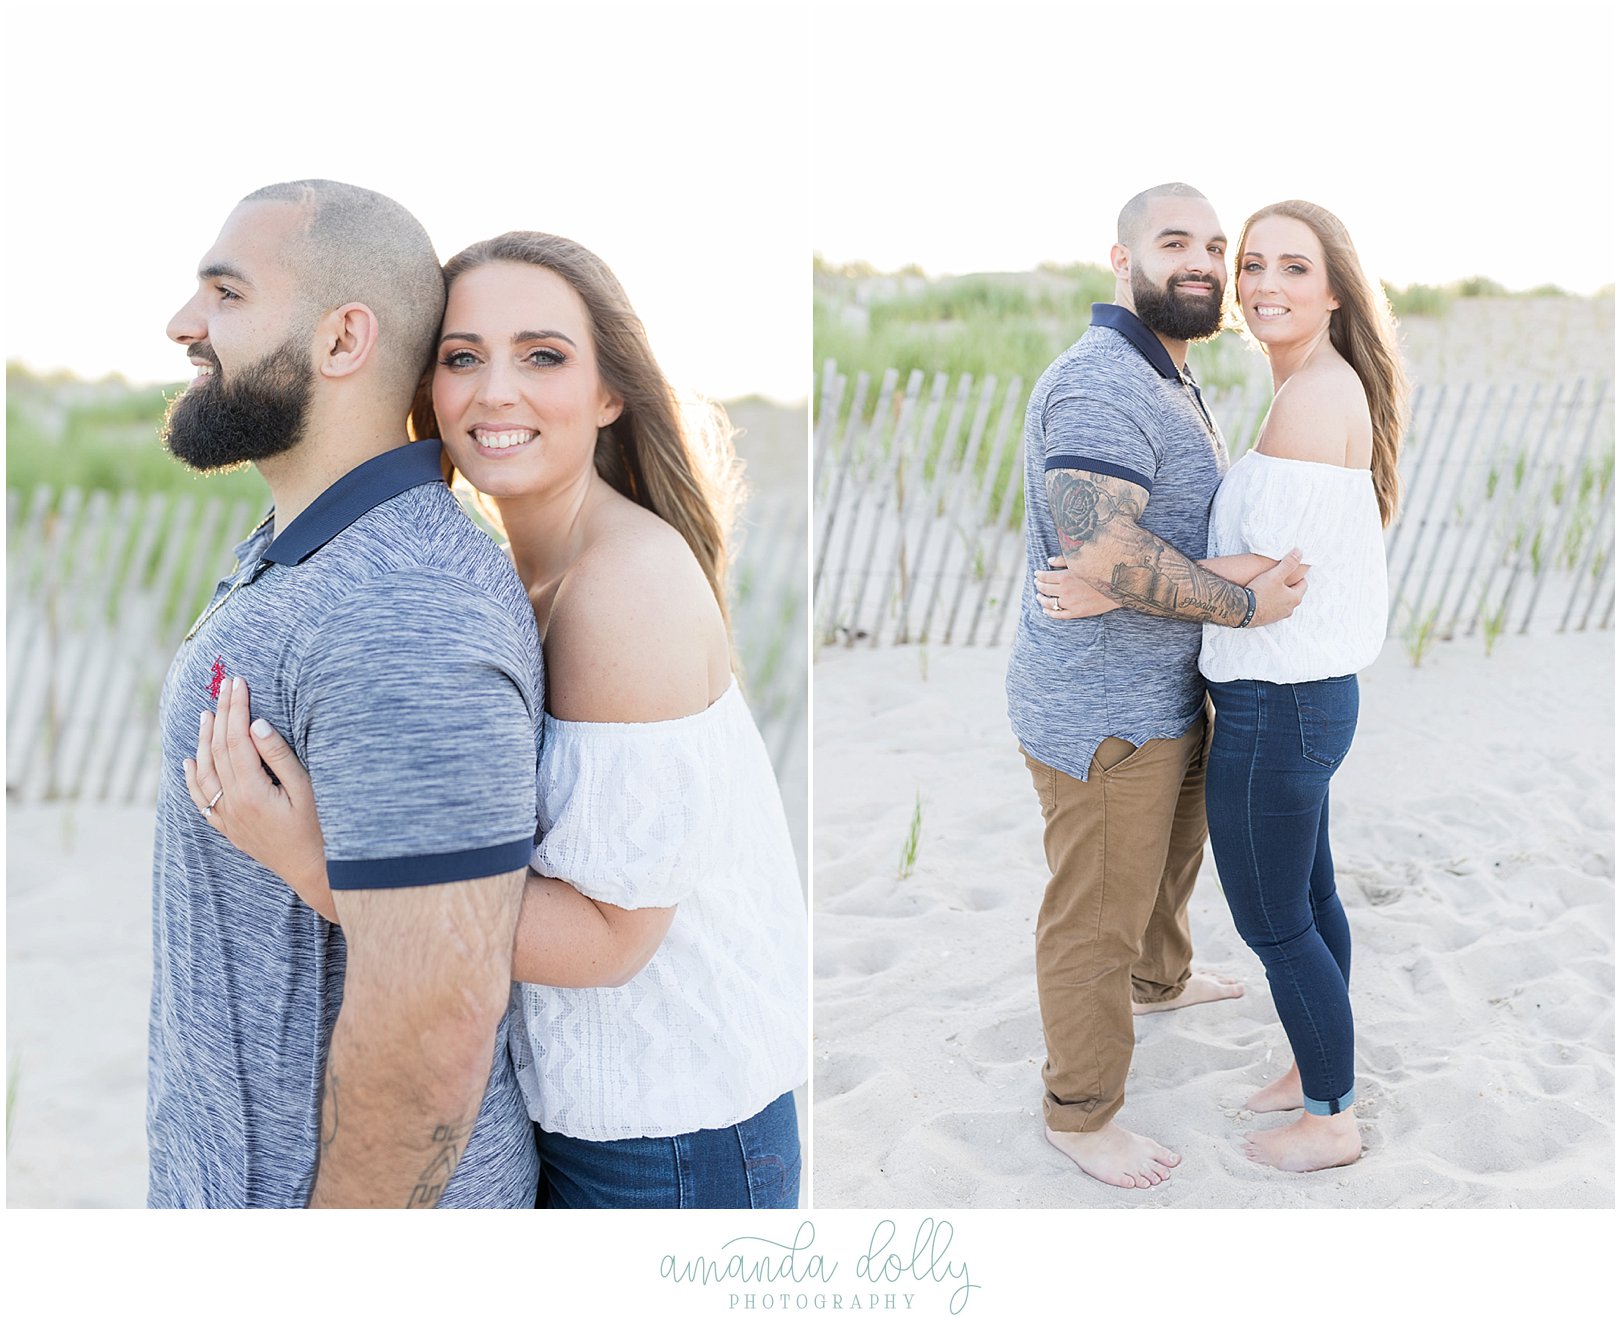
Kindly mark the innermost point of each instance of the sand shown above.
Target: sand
(1474, 839)
(78, 982)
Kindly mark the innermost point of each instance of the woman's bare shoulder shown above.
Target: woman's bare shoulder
(635, 630)
(1317, 415)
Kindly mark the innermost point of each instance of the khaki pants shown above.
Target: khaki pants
(1124, 848)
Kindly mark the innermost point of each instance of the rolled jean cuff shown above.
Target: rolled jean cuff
(1329, 1107)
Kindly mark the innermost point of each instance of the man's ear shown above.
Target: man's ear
(346, 340)
(1120, 261)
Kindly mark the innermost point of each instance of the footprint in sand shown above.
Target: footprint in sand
(983, 898)
(1011, 1040)
(1377, 894)
(987, 1146)
(840, 1073)
(859, 956)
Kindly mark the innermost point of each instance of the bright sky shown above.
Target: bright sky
(705, 151)
(672, 144)
(1453, 140)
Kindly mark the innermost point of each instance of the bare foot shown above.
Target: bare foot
(1308, 1143)
(1115, 1156)
(1279, 1096)
(1200, 987)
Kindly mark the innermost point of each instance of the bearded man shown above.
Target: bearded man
(291, 1061)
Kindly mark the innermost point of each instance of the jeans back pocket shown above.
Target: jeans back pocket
(1327, 711)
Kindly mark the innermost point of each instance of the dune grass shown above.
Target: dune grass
(914, 836)
(101, 435)
(13, 1081)
(1013, 324)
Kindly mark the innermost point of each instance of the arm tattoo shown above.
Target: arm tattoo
(446, 1148)
(1083, 505)
(449, 1141)
(1173, 587)
(1096, 517)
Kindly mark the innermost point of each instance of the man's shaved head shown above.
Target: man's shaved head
(359, 246)
(1134, 214)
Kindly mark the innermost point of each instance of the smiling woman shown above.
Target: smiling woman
(591, 371)
(1323, 479)
(498, 388)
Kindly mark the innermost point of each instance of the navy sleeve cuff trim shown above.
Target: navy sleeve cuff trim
(444, 868)
(1076, 462)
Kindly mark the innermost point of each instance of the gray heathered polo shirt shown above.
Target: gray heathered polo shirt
(393, 646)
(1112, 403)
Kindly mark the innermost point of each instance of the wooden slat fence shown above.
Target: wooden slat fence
(101, 588)
(770, 612)
(1507, 518)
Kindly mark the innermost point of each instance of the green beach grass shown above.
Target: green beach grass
(102, 435)
(1013, 324)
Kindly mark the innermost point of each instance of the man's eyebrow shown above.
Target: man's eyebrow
(221, 270)
(1183, 233)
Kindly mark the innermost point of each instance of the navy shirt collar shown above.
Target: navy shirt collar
(353, 495)
(1114, 317)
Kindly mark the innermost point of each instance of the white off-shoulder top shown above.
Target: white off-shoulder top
(684, 813)
(1268, 505)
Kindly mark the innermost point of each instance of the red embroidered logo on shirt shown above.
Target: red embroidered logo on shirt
(219, 677)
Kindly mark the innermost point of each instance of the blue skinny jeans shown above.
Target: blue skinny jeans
(1275, 748)
(753, 1165)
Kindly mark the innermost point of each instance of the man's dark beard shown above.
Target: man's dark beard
(254, 413)
(1167, 312)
